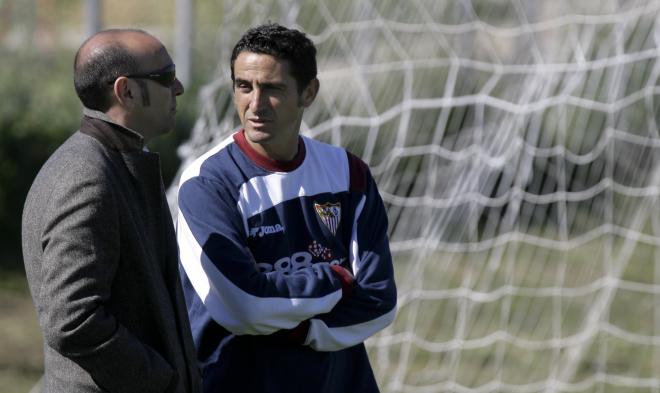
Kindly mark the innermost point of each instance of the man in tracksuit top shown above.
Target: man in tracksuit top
(283, 239)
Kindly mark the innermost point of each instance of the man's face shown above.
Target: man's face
(156, 109)
(268, 104)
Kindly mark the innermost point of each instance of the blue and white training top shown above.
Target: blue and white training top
(256, 240)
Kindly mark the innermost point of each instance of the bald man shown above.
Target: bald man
(98, 241)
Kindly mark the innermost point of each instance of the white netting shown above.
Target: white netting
(516, 146)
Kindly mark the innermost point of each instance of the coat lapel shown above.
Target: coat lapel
(144, 169)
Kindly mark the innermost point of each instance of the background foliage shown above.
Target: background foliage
(39, 110)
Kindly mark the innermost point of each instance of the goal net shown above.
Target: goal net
(516, 146)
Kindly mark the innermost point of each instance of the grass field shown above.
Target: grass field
(512, 316)
(21, 357)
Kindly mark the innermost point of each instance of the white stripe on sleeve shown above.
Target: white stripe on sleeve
(323, 338)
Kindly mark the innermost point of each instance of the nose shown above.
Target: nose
(257, 100)
(177, 87)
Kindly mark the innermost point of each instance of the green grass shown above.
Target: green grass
(21, 357)
(528, 315)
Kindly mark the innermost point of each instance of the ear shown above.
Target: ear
(124, 92)
(309, 93)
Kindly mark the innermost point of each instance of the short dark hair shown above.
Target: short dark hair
(283, 44)
(92, 78)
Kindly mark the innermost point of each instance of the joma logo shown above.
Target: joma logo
(266, 230)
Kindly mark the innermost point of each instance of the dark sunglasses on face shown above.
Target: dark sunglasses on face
(165, 76)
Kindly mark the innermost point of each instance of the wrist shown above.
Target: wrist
(346, 278)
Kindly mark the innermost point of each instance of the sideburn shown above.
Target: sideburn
(144, 92)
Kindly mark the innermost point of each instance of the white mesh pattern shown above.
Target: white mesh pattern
(516, 146)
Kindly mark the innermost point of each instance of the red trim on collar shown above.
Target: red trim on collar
(268, 163)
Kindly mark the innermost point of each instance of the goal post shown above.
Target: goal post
(516, 146)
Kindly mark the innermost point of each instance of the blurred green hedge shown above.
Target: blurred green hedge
(39, 110)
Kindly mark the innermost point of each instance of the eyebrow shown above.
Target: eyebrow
(238, 81)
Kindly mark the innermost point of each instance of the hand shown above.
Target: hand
(296, 335)
(347, 279)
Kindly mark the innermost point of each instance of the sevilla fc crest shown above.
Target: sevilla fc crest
(330, 214)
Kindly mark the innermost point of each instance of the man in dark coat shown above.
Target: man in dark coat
(98, 241)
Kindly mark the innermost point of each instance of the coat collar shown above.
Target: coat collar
(114, 136)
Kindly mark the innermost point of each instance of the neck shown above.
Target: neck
(265, 161)
(120, 117)
(276, 153)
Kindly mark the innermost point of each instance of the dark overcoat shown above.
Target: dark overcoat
(101, 261)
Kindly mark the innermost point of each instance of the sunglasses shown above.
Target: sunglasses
(165, 76)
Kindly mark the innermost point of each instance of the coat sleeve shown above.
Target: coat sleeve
(217, 261)
(80, 256)
(372, 306)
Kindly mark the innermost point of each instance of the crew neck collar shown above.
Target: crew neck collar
(268, 163)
